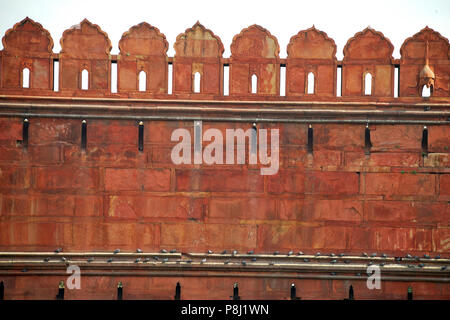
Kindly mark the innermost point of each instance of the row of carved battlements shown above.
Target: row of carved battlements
(312, 70)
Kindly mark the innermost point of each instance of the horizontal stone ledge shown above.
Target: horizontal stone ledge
(392, 102)
(234, 272)
(256, 119)
(248, 110)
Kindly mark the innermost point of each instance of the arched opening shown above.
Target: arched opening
(310, 83)
(426, 91)
(197, 78)
(368, 84)
(142, 81)
(25, 78)
(254, 84)
(84, 80)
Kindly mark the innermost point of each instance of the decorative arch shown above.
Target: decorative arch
(369, 44)
(311, 44)
(425, 60)
(198, 41)
(414, 46)
(18, 38)
(143, 39)
(85, 40)
(255, 42)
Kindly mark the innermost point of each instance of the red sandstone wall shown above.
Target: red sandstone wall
(156, 288)
(336, 199)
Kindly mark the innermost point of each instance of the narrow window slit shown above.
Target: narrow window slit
(339, 81)
(84, 80)
(141, 136)
(253, 146)
(113, 76)
(197, 81)
(396, 81)
(25, 78)
(425, 141)
(310, 138)
(367, 142)
(25, 127)
(142, 81)
(310, 81)
(55, 75)
(236, 292)
(368, 84)
(282, 80)
(83, 134)
(169, 78)
(178, 291)
(226, 80)
(254, 84)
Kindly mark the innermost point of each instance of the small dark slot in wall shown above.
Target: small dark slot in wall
(141, 136)
(178, 291)
(26, 124)
(367, 142)
(83, 135)
(310, 138)
(425, 141)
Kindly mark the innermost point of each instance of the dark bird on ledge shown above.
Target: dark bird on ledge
(438, 256)
(341, 254)
(384, 255)
(426, 256)
(364, 254)
(116, 251)
(58, 250)
(275, 253)
(253, 259)
(333, 261)
(332, 254)
(165, 260)
(210, 252)
(137, 260)
(251, 252)
(173, 251)
(90, 260)
(306, 260)
(373, 255)
(109, 260)
(443, 268)
(46, 259)
(163, 251)
(244, 263)
(63, 259)
(224, 252)
(139, 250)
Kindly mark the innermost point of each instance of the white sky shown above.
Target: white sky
(339, 19)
